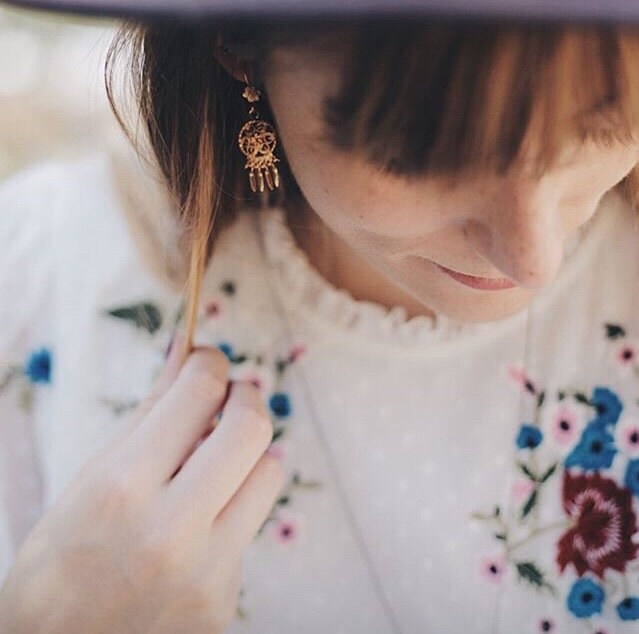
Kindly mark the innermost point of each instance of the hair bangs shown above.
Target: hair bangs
(425, 99)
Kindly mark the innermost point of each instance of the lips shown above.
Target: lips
(481, 283)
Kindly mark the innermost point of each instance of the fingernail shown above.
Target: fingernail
(275, 451)
(174, 346)
(167, 352)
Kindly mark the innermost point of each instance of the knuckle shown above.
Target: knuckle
(273, 469)
(116, 489)
(147, 403)
(256, 424)
(211, 357)
(152, 561)
(206, 379)
(157, 555)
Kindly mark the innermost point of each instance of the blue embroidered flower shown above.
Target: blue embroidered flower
(632, 476)
(628, 609)
(585, 598)
(529, 437)
(608, 406)
(38, 367)
(595, 449)
(280, 404)
(227, 349)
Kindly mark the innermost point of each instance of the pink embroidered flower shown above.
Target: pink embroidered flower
(258, 374)
(493, 569)
(287, 528)
(278, 449)
(625, 355)
(564, 423)
(213, 307)
(604, 525)
(522, 488)
(297, 351)
(627, 437)
(520, 378)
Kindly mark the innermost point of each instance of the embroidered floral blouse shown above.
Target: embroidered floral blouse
(441, 477)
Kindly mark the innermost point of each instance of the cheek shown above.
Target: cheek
(355, 200)
(584, 190)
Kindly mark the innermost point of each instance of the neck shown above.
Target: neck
(343, 267)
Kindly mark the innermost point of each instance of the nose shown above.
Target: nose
(522, 236)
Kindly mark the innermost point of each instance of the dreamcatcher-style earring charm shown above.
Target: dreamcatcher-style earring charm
(257, 140)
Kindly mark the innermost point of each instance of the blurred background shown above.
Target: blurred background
(52, 96)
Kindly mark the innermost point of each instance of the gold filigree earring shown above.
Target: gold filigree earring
(257, 140)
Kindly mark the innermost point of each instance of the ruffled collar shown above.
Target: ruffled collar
(306, 292)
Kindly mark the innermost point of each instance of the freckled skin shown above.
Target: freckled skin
(379, 235)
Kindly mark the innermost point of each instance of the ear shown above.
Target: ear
(231, 62)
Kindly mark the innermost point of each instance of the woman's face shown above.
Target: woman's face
(511, 226)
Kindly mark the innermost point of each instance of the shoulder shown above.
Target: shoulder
(40, 201)
(47, 182)
(32, 201)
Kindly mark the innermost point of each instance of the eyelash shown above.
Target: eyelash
(601, 135)
(605, 133)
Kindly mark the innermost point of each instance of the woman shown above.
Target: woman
(411, 245)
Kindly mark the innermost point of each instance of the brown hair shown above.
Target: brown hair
(417, 98)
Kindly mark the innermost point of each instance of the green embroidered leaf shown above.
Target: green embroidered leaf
(530, 504)
(145, 315)
(561, 395)
(613, 331)
(548, 473)
(277, 433)
(529, 572)
(481, 516)
(180, 313)
(283, 500)
(297, 481)
(280, 366)
(228, 287)
(582, 398)
(12, 372)
(240, 358)
(540, 399)
(240, 612)
(310, 484)
(25, 397)
(497, 511)
(529, 474)
(501, 536)
(119, 407)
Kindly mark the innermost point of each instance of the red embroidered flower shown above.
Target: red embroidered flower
(604, 523)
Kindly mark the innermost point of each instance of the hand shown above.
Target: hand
(148, 537)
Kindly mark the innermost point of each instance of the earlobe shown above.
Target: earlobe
(233, 65)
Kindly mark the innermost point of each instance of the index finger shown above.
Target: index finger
(161, 384)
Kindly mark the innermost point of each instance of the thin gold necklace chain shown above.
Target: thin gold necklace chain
(499, 598)
(379, 589)
(364, 551)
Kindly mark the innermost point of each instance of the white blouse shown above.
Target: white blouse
(441, 477)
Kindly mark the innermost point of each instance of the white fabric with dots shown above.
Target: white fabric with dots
(419, 416)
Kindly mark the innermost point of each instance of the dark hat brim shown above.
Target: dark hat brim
(605, 11)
